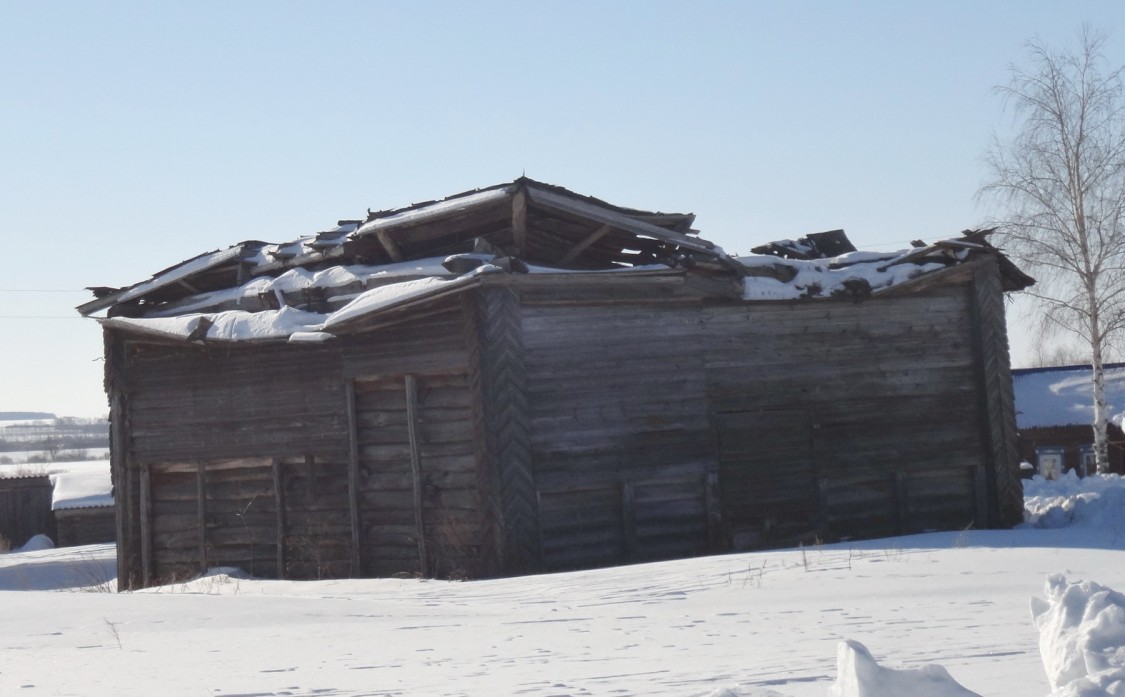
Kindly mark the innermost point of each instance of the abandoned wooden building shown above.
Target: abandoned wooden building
(521, 379)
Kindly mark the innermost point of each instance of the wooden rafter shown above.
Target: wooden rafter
(590, 239)
(519, 222)
(389, 245)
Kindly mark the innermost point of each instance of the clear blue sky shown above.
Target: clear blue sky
(136, 135)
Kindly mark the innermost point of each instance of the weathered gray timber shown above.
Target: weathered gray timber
(85, 526)
(379, 412)
(25, 509)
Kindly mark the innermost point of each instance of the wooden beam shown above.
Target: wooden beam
(146, 525)
(201, 512)
(389, 245)
(279, 503)
(590, 239)
(353, 479)
(411, 385)
(902, 504)
(628, 520)
(120, 473)
(714, 511)
(519, 222)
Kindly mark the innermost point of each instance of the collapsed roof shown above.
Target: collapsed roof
(317, 286)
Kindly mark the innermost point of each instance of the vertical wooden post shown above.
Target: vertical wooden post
(714, 512)
(279, 502)
(201, 511)
(146, 525)
(628, 519)
(980, 485)
(506, 430)
(411, 386)
(353, 478)
(118, 463)
(902, 499)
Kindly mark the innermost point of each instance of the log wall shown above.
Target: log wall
(278, 458)
(85, 526)
(233, 401)
(670, 428)
(539, 425)
(420, 510)
(839, 419)
(621, 441)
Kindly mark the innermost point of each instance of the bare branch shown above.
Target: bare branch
(1060, 181)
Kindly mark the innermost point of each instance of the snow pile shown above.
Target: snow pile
(827, 277)
(858, 675)
(36, 544)
(1082, 638)
(1096, 502)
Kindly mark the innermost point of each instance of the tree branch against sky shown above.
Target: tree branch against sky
(1060, 182)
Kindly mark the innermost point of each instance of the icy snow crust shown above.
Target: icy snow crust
(943, 614)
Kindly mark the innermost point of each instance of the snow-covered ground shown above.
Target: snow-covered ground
(909, 616)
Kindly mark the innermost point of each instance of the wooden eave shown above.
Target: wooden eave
(953, 274)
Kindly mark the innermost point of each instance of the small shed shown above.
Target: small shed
(1054, 413)
(520, 379)
(83, 504)
(25, 509)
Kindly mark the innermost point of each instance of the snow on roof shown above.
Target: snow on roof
(181, 272)
(88, 487)
(435, 210)
(291, 323)
(828, 277)
(1063, 395)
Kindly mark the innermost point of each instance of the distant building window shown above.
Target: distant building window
(1050, 462)
(1087, 461)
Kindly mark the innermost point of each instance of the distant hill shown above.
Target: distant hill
(25, 415)
(46, 432)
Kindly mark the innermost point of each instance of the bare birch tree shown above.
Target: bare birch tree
(1060, 181)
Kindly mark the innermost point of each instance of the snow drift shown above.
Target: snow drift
(858, 675)
(765, 624)
(1082, 638)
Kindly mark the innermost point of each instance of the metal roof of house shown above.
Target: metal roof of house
(1063, 395)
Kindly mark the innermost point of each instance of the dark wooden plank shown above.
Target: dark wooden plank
(410, 385)
(201, 514)
(279, 506)
(353, 475)
(146, 525)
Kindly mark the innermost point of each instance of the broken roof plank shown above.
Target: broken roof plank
(565, 204)
(590, 239)
(175, 274)
(441, 209)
